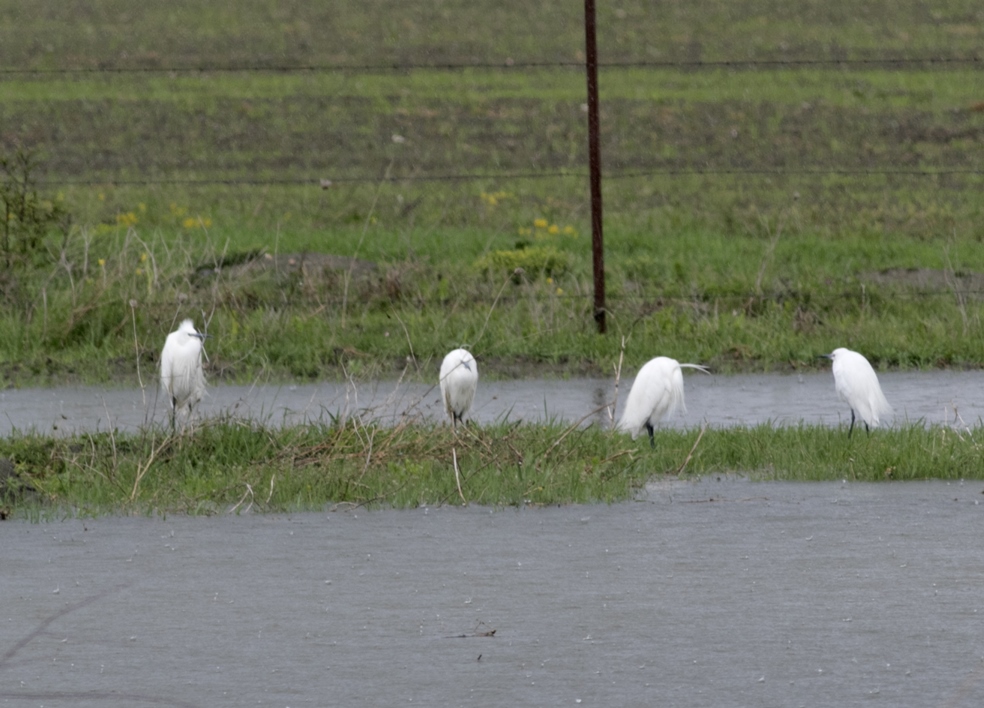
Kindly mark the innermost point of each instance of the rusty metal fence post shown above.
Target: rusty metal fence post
(594, 159)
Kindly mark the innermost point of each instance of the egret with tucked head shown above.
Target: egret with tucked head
(656, 392)
(182, 377)
(857, 383)
(459, 379)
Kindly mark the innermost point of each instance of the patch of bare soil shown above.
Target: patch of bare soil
(931, 280)
(291, 263)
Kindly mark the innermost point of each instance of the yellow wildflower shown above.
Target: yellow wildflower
(554, 229)
(540, 223)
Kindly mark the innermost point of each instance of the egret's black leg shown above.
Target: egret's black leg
(851, 429)
(867, 429)
(652, 439)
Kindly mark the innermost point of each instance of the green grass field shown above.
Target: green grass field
(754, 215)
(120, 33)
(354, 189)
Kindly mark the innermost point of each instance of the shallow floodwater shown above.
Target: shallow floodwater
(929, 397)
(709, 593)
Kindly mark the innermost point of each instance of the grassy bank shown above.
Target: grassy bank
(233, 466)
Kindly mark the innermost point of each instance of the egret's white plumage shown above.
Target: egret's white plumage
(459, 379)
(182, 377)
(656, 393)
(857, 383)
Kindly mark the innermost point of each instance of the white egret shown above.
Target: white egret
(459, 379)
(656, 392)
(182, 377)
(857, 383)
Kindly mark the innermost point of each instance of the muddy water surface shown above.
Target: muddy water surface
(709, 593)
(931, 397)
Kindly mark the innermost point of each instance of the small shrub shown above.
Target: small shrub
(26, 218)
(534, 261)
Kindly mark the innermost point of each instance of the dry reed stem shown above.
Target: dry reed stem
(476, 438)
(247, 493)
(413, 357)
(691, 453)
(112, 436)
(618, 379)
(142, 470)
(573, 426)
(457, 475)
(136, 351)
(365, 467)
(488, 316)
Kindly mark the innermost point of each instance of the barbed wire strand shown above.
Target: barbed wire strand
(508, 65)
(320, 182)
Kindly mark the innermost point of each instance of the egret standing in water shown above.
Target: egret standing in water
(656, 392)
(459, 379)
(182, 377)
(857, 384)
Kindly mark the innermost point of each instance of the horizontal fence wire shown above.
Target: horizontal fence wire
(508, 65)
(320, 182)
(736, 302)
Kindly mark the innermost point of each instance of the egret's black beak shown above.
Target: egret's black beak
(200, 335)
(825, 356)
